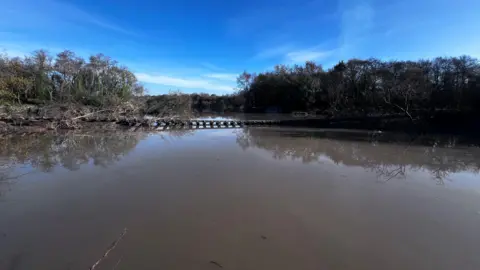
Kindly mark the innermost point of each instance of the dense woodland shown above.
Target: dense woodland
(367, 86)
(356, 87)
(359, 87)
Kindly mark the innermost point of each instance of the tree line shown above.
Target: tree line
(358, 87)
(65, 77)
(366, 87)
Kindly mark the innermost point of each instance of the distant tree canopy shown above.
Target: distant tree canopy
(354, 87)
(65, 78)
(366, 86)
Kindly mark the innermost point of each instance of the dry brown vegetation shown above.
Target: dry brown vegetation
(63, 91)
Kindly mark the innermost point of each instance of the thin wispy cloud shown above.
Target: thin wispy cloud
(211, 66)
(191, 83)
(81, 16)
(357, 25)
(110, 26)
(290, 29)
(302, 56)
(288, 54)
(32, 14)
(273, 52)
(286, 19)
(223, 76)
(187, 77)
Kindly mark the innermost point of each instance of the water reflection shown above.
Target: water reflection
(390, 156)
(175, 134)
(22, 155)
(44, 152)
(190, 197)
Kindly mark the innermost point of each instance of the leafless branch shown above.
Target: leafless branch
(399, 107)
(110, 248)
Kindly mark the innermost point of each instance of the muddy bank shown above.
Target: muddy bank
(38, 125)
(35, 119)
(124, 118)
(441, 122)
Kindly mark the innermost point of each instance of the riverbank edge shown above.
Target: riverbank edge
(133, 124)
(43, 119)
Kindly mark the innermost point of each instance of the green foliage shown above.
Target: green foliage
(66, 78)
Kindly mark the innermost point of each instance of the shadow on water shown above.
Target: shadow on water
(389, 155)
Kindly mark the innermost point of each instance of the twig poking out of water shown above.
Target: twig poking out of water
(216, 263)
(13, 177)
(115, 267)
(110, 248)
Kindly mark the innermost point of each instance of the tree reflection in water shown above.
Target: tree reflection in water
(390, 156)
(44, 152)
(175, 134)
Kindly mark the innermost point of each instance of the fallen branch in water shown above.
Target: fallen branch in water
(5, 179)
(216, 263)
(112, 246)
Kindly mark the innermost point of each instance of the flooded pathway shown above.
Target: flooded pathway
(239, 199)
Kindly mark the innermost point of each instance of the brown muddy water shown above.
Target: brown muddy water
(259, 198)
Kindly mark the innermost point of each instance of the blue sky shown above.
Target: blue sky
(200, 46)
